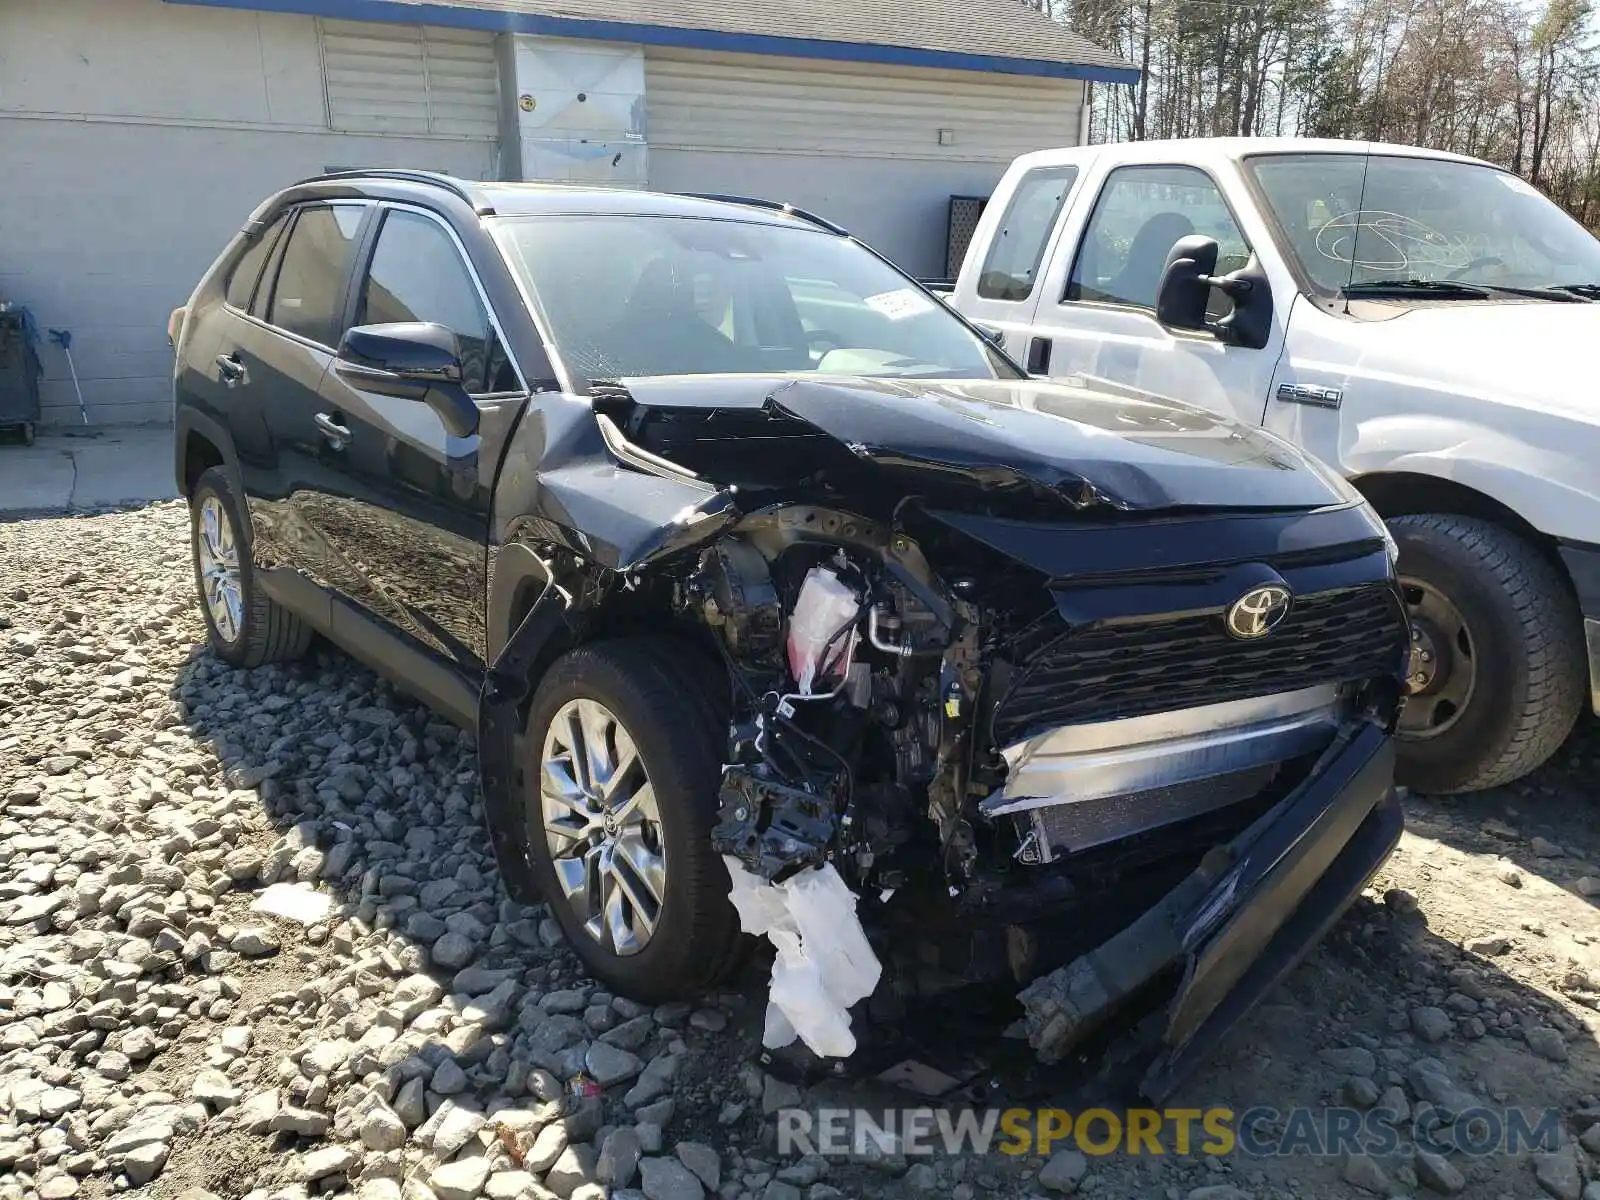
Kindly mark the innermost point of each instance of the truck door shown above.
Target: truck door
(1096, 312)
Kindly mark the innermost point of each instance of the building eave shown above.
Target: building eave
(502, 21)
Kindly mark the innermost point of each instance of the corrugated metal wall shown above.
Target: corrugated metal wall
(410, 79)
(703, 101)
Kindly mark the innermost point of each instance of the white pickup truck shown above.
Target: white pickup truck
(1426, 323)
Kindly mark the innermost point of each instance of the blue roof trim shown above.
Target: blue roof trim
(503, 21)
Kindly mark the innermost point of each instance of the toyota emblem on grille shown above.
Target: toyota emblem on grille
(1256, 613)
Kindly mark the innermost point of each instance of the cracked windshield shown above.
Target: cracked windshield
(1356, 223)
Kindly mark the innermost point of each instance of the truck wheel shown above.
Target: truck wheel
(1497, 664)
(620, 796)
(244, 627)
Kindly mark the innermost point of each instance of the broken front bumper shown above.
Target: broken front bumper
(1242, 920)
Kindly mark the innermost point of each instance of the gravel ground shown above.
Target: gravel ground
(252, 942)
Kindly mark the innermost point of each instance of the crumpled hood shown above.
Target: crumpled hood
(1038, 440)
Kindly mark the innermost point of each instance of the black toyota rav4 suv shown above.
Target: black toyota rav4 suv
(745, 557)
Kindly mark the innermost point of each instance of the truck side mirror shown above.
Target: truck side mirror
(1185, 283)
(1185, 294)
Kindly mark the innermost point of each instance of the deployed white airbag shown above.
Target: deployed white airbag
(824, 964)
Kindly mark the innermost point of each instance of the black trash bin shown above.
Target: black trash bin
(19, 371)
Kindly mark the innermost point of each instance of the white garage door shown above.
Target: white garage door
(137, 136)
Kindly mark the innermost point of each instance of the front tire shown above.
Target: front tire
(244, 627)
(619, 786)
(1497, 672)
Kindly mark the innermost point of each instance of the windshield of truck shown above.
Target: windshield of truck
(1359, 223)
(632, 296)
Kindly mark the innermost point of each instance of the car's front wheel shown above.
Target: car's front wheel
(1497, 672)
(620, 781)
(244, 627)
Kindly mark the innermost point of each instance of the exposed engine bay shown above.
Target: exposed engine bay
(1102, 726)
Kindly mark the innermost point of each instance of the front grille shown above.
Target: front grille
(1079, 824)
(1128, 670)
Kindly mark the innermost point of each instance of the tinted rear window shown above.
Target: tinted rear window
(242, 283)
(309, 294)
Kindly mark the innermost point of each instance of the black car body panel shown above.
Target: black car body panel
(994, 441)
(1036, 569)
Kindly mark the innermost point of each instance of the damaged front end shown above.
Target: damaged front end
(1115, 735)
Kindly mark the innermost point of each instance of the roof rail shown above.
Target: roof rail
(451, 184)
(772, 206)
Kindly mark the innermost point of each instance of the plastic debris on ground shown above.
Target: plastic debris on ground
(294, 902)
(824, 964)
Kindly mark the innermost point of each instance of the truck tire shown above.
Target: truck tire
(1497, 671)
(622, 854)
(244, 627)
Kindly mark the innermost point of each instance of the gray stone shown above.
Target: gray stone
(302, 1122)
(1432, 1082)
(453, 951)
(1217, 1191)
(777, 1189)
(462, 1180)
(1359, 1092)
(143, 1163)
(1064, 1172)
(1431, 1024)
(1558, 1173)
(510, 1185)
(574, 1168)
(450, 1128)
(619, 1157)
(380, 1128)
(609, 1064)
(216, 1089)
(448, 1078)
(546, 1148)
(1547, 1043)
(703, 1161)
(668, 1179)
(254, 941)
(1437, 1173)
(775, 1094)
(1363, 1171)
(1350, 1060)
(411, 1103)
(320, 1164)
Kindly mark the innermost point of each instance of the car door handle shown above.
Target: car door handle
(336, 435)
(231, 368)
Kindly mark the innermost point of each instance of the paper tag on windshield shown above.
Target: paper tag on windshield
(900, 304)
(1517, 184)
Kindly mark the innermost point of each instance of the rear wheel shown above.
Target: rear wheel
(620, 793)
(1497, 660)
(244, 627)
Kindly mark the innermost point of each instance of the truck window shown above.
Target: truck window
(1139, 216)
(1014, 255)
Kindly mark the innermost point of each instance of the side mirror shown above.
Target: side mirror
(1185, 283)
(412, 360)
(1185, 293)
(992, 335)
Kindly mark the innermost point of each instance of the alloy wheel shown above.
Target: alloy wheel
(218, 552)
(603, 826)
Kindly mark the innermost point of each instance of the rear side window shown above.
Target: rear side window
(417, 275)
(1013, 261)
(308, 297)
(242, 283)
